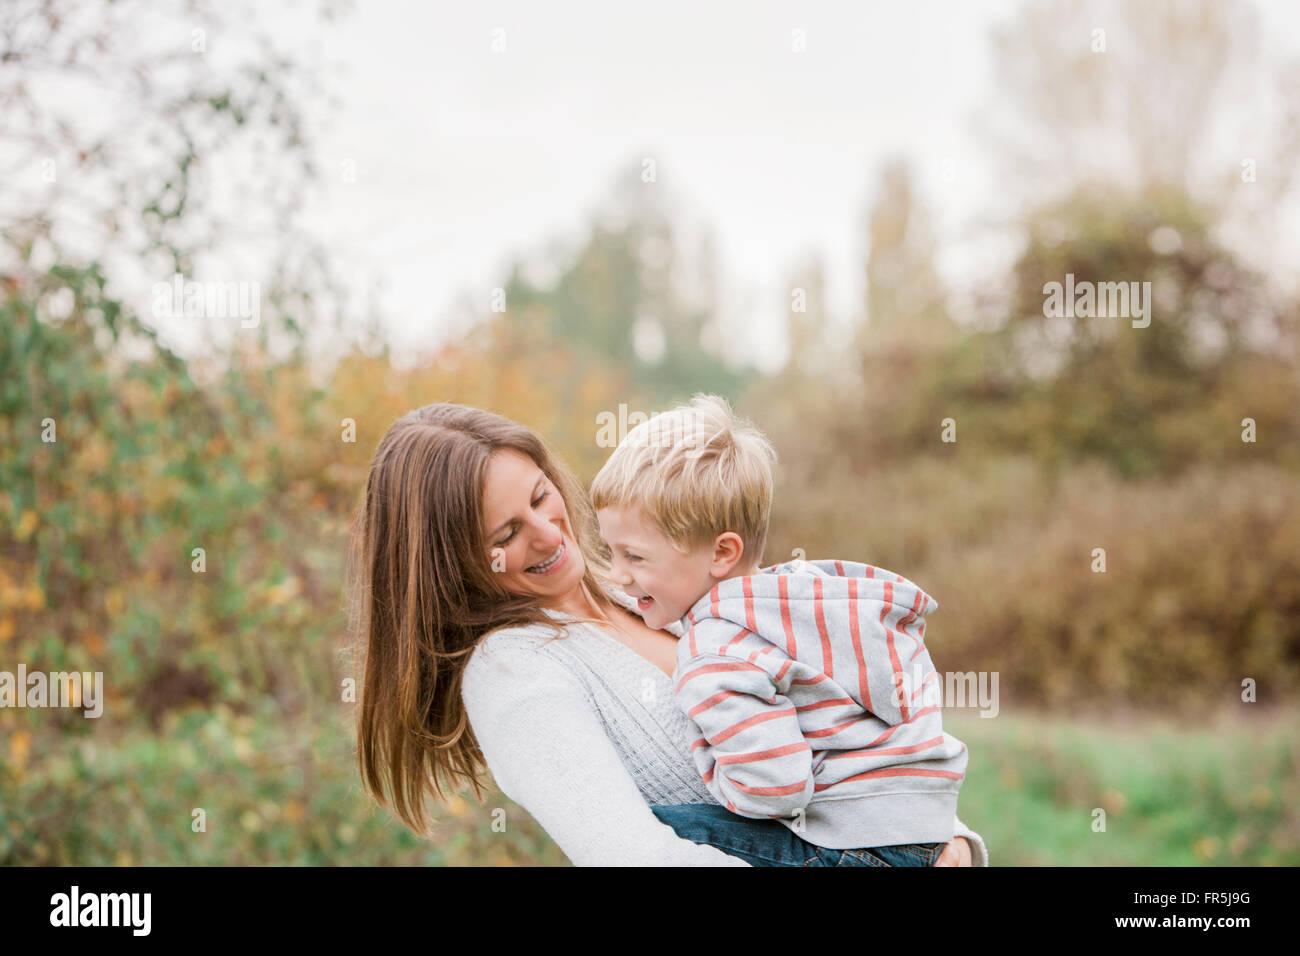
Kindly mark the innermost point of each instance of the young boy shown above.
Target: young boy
(809, 681)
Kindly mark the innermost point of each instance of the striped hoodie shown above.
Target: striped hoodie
(817, 704)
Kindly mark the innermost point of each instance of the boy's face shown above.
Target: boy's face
(645, 564)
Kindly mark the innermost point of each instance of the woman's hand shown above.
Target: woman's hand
(956, 853)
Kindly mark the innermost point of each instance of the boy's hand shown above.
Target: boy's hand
(956, 853)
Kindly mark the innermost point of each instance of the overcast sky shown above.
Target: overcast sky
(467, 158)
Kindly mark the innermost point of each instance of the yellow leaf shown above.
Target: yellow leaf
(20, 744)
(6, 629)
(34, 597)
(1206, 847)
(26, 525)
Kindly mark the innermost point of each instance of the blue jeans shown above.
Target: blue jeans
(769, 843)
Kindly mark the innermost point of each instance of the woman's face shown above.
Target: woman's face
(526, 524)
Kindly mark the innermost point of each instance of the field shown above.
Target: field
(1224, 791)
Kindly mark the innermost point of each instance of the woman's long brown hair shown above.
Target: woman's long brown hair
(424, 594)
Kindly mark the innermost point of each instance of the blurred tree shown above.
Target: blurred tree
(904, 293)
(1108, 146)
(117, 457)
(1142, 397)
(906, 325)
(1164, 94)
(184, 147)
(626, 299)
(1207, 306)
(1131, 93)
(806, 323)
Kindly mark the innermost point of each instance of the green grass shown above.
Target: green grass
(1218, 791)
(1212, 791)
(271, 793)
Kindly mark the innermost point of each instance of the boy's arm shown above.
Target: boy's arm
(752, 753)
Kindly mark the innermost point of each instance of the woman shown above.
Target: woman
(492, 641)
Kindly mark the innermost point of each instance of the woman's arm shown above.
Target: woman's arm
(548, 752)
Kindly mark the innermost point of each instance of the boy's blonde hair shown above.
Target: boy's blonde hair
(695, 471)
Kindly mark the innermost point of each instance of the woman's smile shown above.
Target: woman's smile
(556, 560)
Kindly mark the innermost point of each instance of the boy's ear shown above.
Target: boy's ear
(728, 549)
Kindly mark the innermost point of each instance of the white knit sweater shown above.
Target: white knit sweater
(584, 734)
